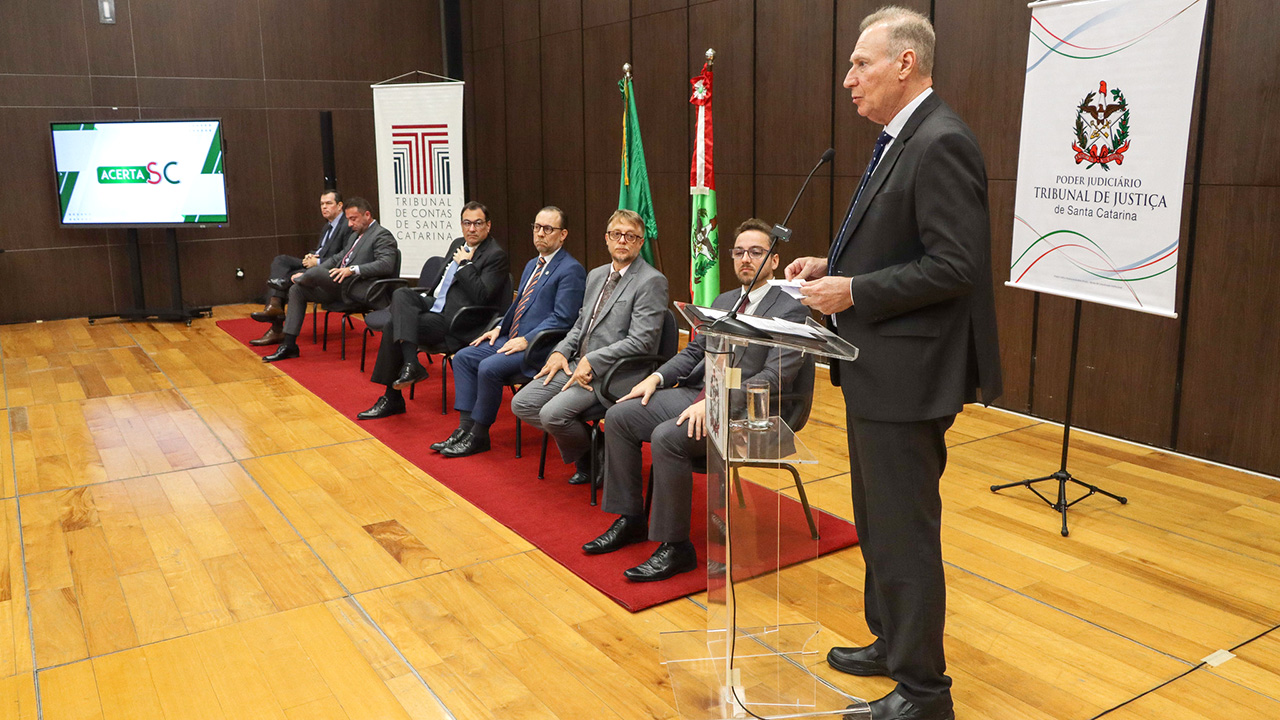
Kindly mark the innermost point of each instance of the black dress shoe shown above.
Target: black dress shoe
(284, 352)
(582, 477)
(668, 560)
(385, 407)
(620, 534)
(895, 707)
(864, 661)
(281, 284)
(449, 440)
(410, 374)
(468, 444)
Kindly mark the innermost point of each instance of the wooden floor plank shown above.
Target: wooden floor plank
(15, 634)
(18, 697)
(1201, 695)
(80, 375)
(7, 483)
(70, 692)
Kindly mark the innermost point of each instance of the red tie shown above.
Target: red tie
(347, 258)
(527, 296)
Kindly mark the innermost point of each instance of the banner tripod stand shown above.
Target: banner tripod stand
(1063, 476)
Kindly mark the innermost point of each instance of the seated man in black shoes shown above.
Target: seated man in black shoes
(333, 239)
(622, 313)
(370, 256)
(548, 298)
(668, 409)
(475, 275)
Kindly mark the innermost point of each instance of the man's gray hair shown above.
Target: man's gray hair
(908, 30)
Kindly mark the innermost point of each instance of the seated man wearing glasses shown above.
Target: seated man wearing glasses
(475, 275)
(621, 316)
(668, 409)
(548, 298)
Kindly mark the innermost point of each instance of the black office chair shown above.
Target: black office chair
(378, 297)
(795, 406)
(607, 394)
(378, 320)
(482, 318)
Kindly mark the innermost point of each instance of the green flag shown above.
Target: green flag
(704, 239)
(633, 189)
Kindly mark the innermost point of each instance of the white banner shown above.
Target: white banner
(1102, 160)
(418, 135)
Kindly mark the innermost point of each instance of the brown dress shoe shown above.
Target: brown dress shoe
(268, 314)
(272, 336)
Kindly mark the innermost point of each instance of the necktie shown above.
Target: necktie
(347, 258)
(527, 296)
(324, 240)
(442, 289)
(609, 285)
(881, 143)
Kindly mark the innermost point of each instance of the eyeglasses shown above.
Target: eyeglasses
(756, 253)
(619, 236)
(475, 224)
(544, 229)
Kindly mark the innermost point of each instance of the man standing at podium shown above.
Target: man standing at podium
(907, 281)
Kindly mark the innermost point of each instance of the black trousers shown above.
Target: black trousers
(895, 470)
(412, 321)
(284, 266)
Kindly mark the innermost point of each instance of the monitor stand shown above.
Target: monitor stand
(176, 311)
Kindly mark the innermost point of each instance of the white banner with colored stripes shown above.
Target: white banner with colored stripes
(421, 191)
(1102, 161)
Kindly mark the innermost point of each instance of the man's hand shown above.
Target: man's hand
(490, 336)
(462, 253)
(581, 376)
(807, 268)
(513, 345)
(696, 414)
(295, 277)
(555, 363)
(828, 295)
(340, 273)
(643, 389)
(309, 261)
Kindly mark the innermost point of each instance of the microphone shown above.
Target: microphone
(730, 323)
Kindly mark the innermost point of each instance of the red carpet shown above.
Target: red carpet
(550, 513)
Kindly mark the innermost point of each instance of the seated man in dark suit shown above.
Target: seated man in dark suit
(475, 275)
(670, 413)
(549, 296)
(622, 313)
(370, 256)
(333, 238)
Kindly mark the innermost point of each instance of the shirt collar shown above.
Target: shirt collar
(899, 121)
(754, 297)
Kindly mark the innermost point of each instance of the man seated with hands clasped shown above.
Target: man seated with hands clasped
(668, 408)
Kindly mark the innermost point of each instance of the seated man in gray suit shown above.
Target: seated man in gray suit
(622, 313)
(370, 256)
(670, 413)
(334, 235)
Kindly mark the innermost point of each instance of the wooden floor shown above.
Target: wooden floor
(190, 534)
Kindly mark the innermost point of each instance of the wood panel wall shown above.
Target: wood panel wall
(266, 67)
(545, 128)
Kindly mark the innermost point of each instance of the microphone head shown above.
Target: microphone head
(827, 156)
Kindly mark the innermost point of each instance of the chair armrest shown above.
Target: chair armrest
(605, 393)
(383, 286)
(544, 341)
(474, 316)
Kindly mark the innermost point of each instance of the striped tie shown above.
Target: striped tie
(527, 296)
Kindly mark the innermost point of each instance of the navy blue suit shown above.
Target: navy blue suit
(480, 371)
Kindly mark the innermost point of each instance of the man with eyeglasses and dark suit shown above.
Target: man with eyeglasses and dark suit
(621, 316)
(549, 295)
(668, 409)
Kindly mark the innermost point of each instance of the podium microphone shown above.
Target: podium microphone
(730, 323)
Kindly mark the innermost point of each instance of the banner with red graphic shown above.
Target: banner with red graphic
(704, 238)
(1106, 116)
(418, 141)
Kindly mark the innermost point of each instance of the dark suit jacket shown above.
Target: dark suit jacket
(340, 240)
(376, 253)
(759, 362)
(918, 250)
(556, 299)
(629, 324)
(479, 282)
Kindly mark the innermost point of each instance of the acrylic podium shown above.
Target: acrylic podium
(764, 629)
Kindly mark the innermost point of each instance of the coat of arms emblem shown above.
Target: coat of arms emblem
(1102, 128)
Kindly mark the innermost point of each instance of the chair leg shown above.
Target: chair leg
(804, 501)
(364, 346)
(324, 341)
(648, 495)
(343, 335)
(519, 439)
(315, 311)
(444, 384)
(737, 485)
(542, 461)
(591, 464)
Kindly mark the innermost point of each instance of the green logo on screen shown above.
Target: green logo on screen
(135, 174)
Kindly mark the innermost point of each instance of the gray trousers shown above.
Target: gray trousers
(628, 425)
(315, 285)
(558, 413)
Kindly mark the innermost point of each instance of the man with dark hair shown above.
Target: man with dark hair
(622, 313)
(475, 275)
(549, 295)
(370, 255)
(333, 238)
(668, 408)
(907, 281)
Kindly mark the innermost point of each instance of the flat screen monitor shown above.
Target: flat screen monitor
(136, 173)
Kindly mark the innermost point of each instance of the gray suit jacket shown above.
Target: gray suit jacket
(758, 362)
(375, 252)
(630, 322)
(918, 251)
